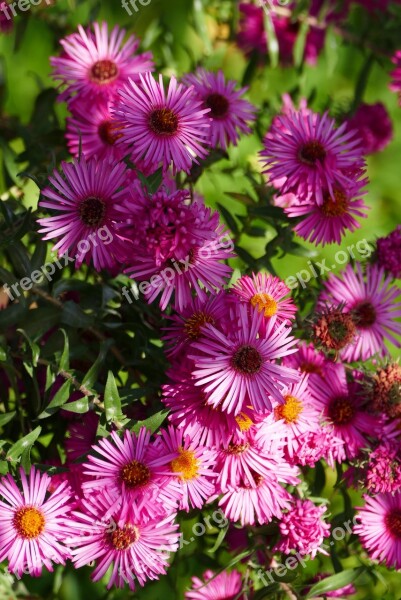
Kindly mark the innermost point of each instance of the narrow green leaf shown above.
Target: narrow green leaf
(78, 406)
(228, 217)
(59, 399)
(152, 423)
(91, 376)
(112, 401)
(18, 448)
(64, 364)
(334, 582)
(6, 417)
(34, 347)
(219, 539)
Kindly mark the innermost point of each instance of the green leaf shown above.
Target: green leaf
(64, 363)
(91, 376)
(78, 406)
(228, 217)
(272, 42)
(112, 401)
(18, 448)
(152, 423)
(3, 467)
(6, 417)
(59, 399)
(334, 582)
(219, 539)
(73, 315)
(34, 347)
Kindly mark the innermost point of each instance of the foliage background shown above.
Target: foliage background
(181, 33)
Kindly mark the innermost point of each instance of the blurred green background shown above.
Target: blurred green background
(182, 33)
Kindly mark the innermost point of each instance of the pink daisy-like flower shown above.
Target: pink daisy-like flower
(395, 85)
(33, 523)
(223, 586)
(267, 294)
(383, 471)
(132, 467)
(169, 128)
(86, 196)
(134, 544)
(96, 64)
(192, 467)
(342, 407)
(308, 360)
(374, 126)
(315, 445)
(388, 253)
(229, 113)
(379, 528)
(238, 369)
(92, 130)
(303, 529)
(374, 305)
(311, 154)
(327, 223)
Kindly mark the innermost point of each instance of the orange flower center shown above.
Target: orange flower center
(243, 421)
(193, 325)
(122, 538)
(290, 410)
(185, 464)
(29, 522)
(335, 207)
(135, 474)
(265, 302)
(237, 448)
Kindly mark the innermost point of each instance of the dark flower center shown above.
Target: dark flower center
(104, 71)
(341, 411)
(218, 105)
(92, 211)
(306, 367)
(247, 360)
(122, 538)
(237, 448)
(311, 153)
(393, 523)
(364, 314)
(163, 121)
(193, 325)
(135, 474)
(107, 132)
(335, 207)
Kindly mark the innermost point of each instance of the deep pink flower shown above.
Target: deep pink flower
(312, 446)
(238, 369)
(86, 196)
(388, 253)
(308, 360)
(379, 528)
(224, 586)
(311, 156)
(229, 113)
(374, 126)
(34, 524)
(168, 128)
(383, 471)
(251, 35)
(374, 304)
(303, 529)
(98, 64)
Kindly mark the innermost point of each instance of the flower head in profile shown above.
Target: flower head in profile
(95, 64)
(163, 127)
(388, 252)
(374, 126)
(230, 114)
(34, 523)
(216, 587)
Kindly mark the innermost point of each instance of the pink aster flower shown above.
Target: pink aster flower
(312, 446)
(192, 467)
(267, 294)
(132, 467)
(342, 405)
(229, 113)
(97, 64)
(169, 128)
(307, 360)
(134, 544)
(86, 196)
(379, 528)
(216, 587)
(395, 85)
(92, 130)
(388, 253)
(303, 529)
(34, 524)
(238, 369)
(374, 304)
(383, 471)
(374, 126)
(311, 154)
(251, 35)
(328, 222)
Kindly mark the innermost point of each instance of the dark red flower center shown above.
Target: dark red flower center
(237, 448)
(163, 121)
(393, 522)
(364, 314)
(92, 211)
(341, 411)
(334, 207)
(193, 324)
(135, 474)
(218, 105)
(104, 71)
(306, 367)
(247, 360)
(311, 153)
(107, 132)
(122, 538)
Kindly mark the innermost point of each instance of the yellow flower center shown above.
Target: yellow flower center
(264, 302)
(185, 464)
(290, 410)
(29, 522)
(244, 422)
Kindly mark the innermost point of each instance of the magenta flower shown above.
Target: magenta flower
(238, 369)
(303, 529)
(86, 195)
(229, 113)
(134, 544)
(374, 304)
(379, 528)
(96, 64)
(374, 126)
(34, 523)
(216, 587)
(388, 254)
(383, 471)
(307, 360)
(168, 128)
(395, 85)
(310, 155)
